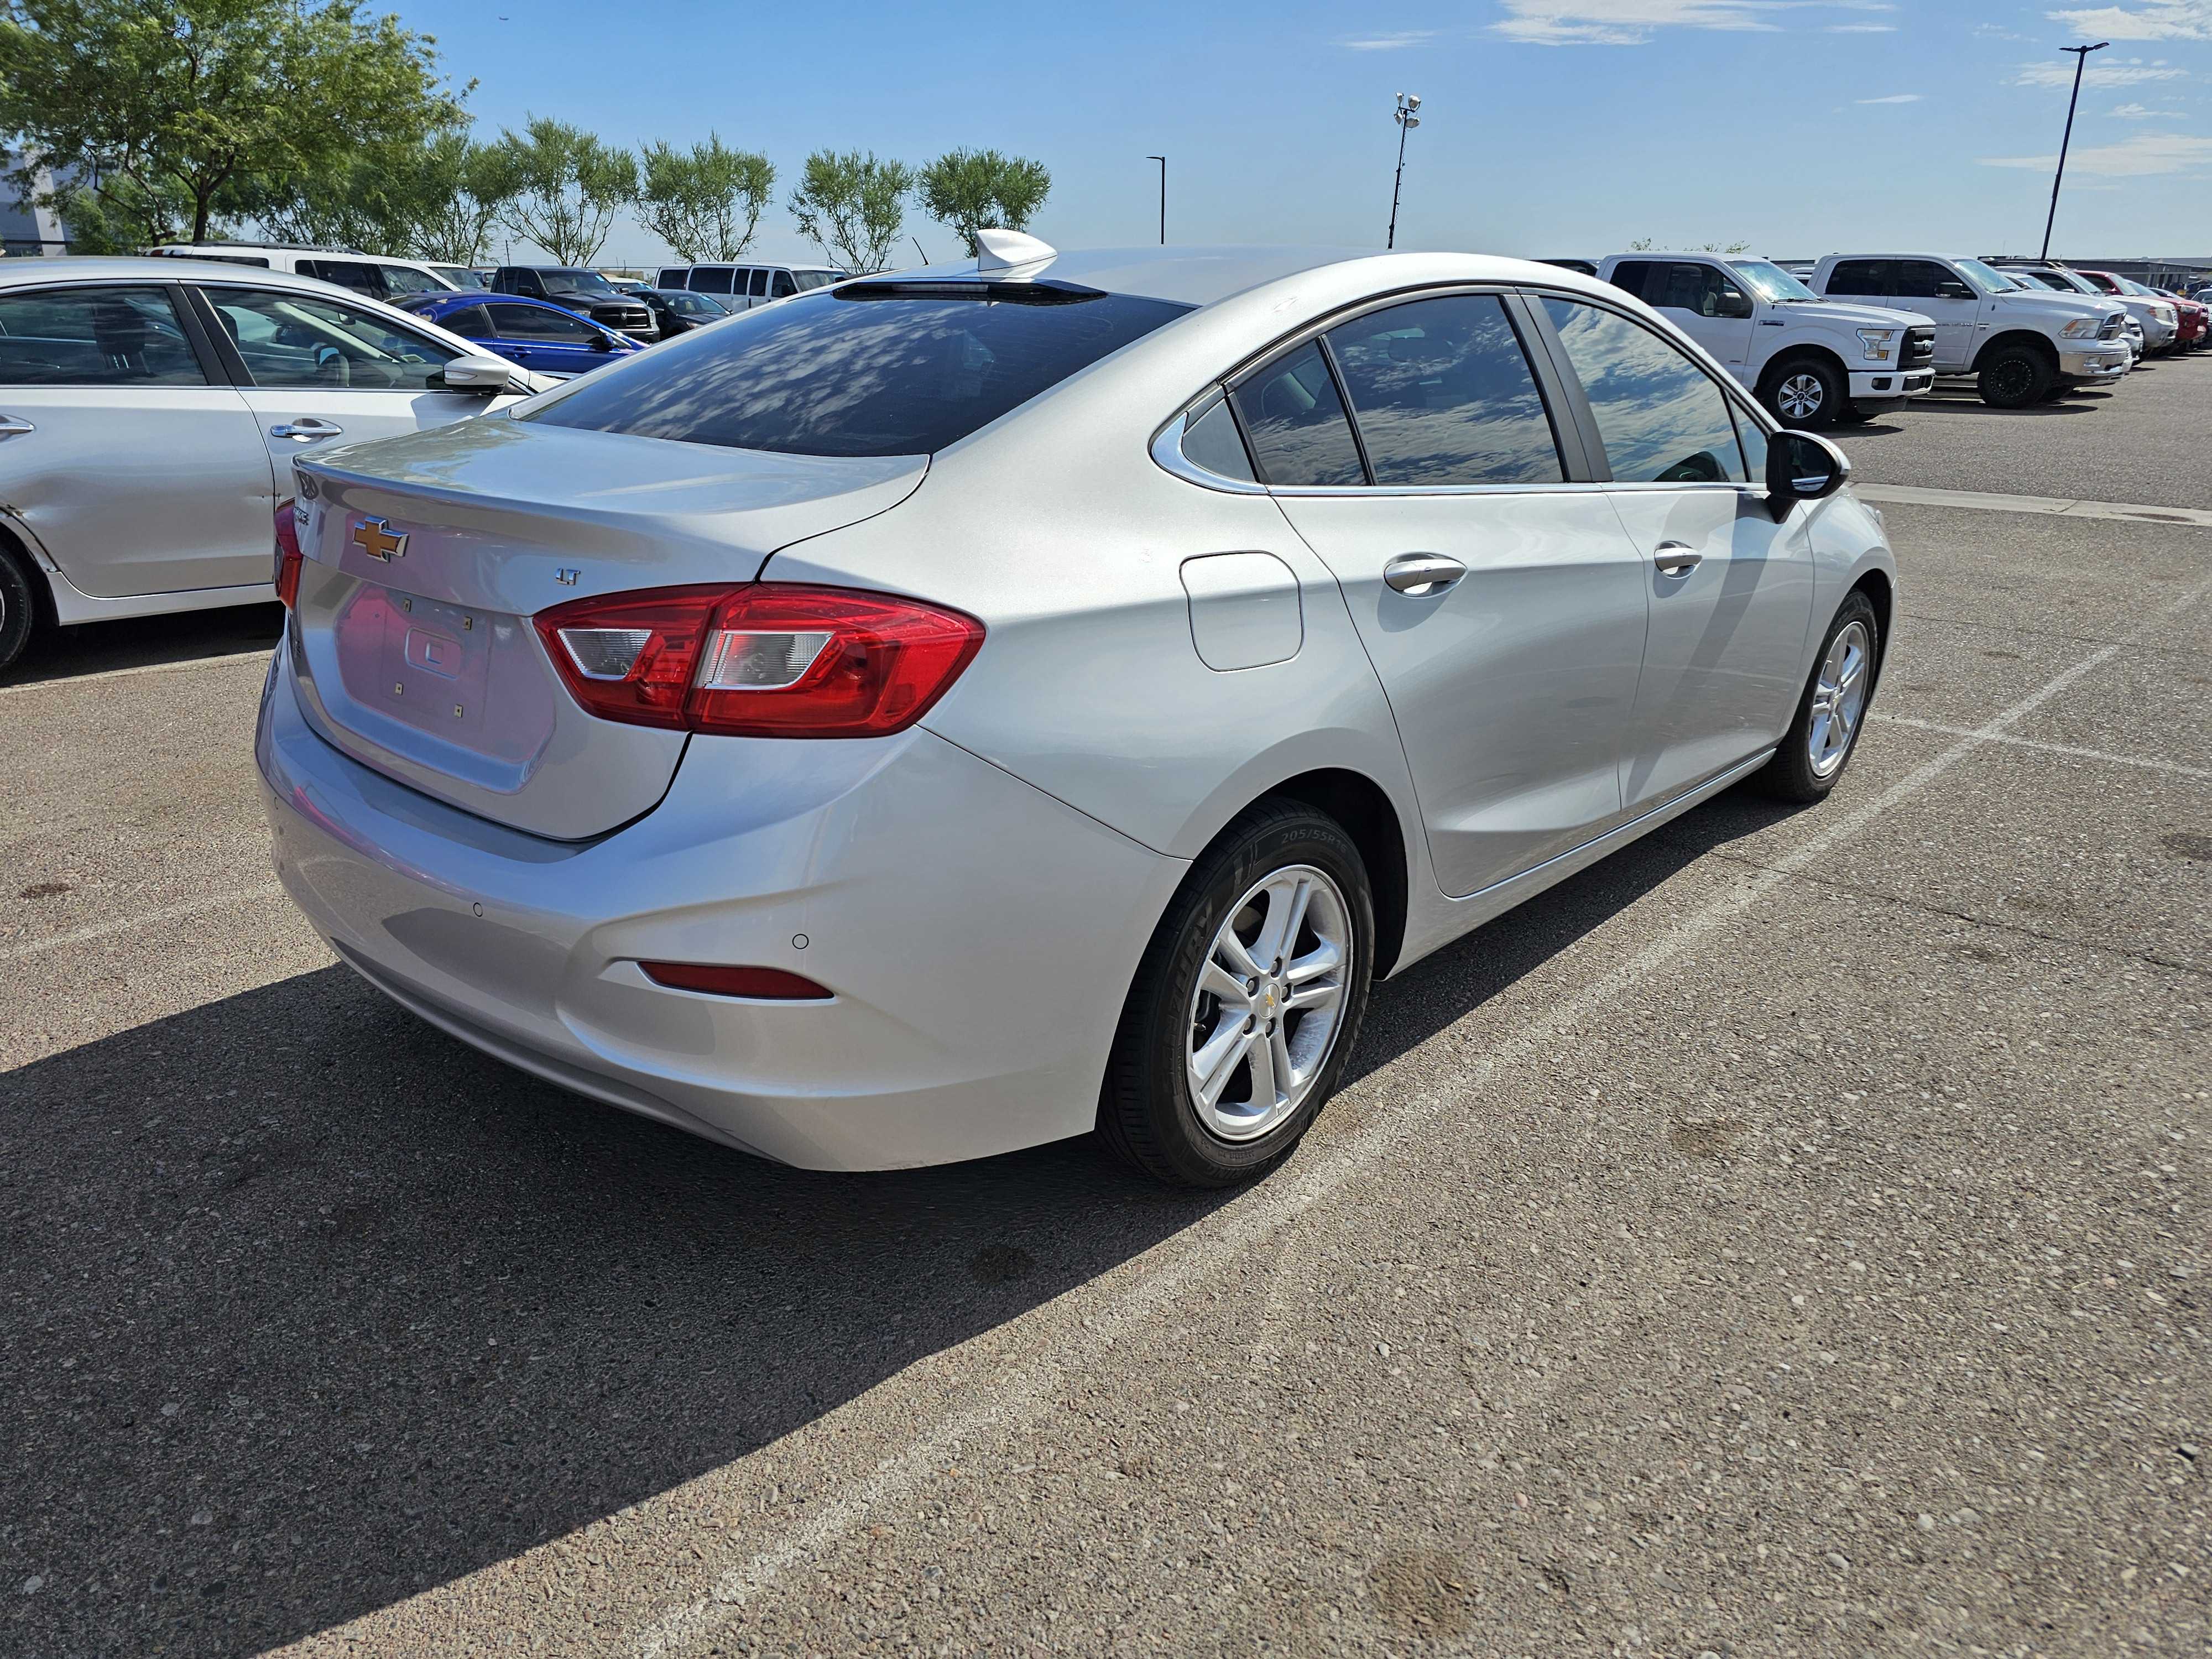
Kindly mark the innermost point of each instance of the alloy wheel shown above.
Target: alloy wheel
(1800, 396)
(1269, 1002)
(1839, 699)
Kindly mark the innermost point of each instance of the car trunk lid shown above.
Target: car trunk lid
(426, 556)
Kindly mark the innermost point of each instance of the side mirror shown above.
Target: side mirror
(482, 372)
(1733, 304)
(1800, 467)
(1954, 290)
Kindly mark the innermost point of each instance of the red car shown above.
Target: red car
(2196, 319)
(2190, 318)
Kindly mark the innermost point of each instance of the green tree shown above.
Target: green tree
(431, 200)
(566, 186)
(169, 113)
(973, 189)
(706, 202)
(853, 205)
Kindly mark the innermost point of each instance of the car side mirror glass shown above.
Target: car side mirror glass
(1734, 304)
(1800, 467)
(482, 372)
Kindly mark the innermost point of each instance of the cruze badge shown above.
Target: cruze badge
(380, 540)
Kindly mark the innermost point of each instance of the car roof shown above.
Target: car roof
(158, 267)
(1204, 276)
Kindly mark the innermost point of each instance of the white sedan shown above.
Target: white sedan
(150, 410)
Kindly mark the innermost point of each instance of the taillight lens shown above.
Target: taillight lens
(767, 660)
(286, 575)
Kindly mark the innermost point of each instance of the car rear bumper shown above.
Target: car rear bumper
(978, 935)
(1878, 386)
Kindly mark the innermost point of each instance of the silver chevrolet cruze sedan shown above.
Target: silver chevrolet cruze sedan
(950, 712)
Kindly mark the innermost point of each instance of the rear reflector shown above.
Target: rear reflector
(286, 575)
(769, 659)
(763, 984)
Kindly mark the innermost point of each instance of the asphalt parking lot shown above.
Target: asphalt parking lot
(1790, 1237)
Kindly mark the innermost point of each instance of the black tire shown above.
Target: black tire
(1149, 1116)
(1853, 414)
(1805, 392)
(19, 608)
(2015, 377)
(1792, 775)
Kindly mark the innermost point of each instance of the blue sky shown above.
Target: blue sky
(1550, 126)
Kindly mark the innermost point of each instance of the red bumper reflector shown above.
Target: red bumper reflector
(764, 984)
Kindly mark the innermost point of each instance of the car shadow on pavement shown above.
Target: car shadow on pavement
(311, 1308)
(68, 653)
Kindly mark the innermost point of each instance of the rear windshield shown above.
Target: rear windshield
(875, 368)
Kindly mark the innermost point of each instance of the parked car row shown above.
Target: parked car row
(1841, 339)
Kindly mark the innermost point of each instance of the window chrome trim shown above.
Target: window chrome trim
(1167, 451)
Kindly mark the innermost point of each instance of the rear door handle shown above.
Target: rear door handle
(12, 427)
(1676, 558)
(307, 428)
(1417, 576)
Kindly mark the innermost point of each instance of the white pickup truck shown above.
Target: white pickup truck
(1811, 361)
(2021, 345)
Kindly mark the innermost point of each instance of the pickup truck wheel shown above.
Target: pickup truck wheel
(1853, 414)
(1803, 393)
(2015, 377)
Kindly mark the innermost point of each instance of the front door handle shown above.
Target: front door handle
(14, 427)
(1676, 558)
(307, 428)
(1417, 576)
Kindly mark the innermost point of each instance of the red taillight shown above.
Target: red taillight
(767, 660)
(286, 575)
(766, 984)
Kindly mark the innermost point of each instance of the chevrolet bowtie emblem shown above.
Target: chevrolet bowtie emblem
(380, 540)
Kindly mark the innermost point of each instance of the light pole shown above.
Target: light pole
(1163, 161)
(2081, 58)
(1407, 120)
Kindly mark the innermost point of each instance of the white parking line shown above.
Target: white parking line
(61, 681)
(151, 918)
(1027, 1392)
(2143, 760)
(2055, 506)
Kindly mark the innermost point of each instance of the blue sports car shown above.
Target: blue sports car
(537, 334)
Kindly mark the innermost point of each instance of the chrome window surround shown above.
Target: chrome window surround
(1167, 442)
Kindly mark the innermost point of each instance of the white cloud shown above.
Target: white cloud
(2122, 72)
(1860, 28)
(2159, 20)
(2142, 156)
(2136, 111)
(1894, 98)
(1397, 42)
(1623, 22)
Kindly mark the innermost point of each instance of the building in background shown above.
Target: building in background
(26, 230)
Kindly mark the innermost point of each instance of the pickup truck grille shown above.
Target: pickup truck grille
(625, 319)
(1919, 349)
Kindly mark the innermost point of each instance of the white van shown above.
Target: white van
(369, 274)
(741, 287)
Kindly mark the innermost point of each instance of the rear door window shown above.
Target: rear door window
(873, 368)
(290, 339)
(1296, 420)
(1444, 394)
(469, 322)
(1663, 419)
(542, 322)
(120, 337)
(1634, 276)
(1869, 276)
(711, 279)
(405, 279)
(755, 285)
(357, 274)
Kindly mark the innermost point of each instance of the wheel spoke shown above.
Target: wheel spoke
(1287, 914)
(1212, 1066)
(1261, 1051)
(1323, 958)
(1278, 1052)
(1229, 951)
(1324, 995)
(1223, 987)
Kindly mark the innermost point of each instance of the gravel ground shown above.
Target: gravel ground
(1786, 1238)
(2145, 440)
